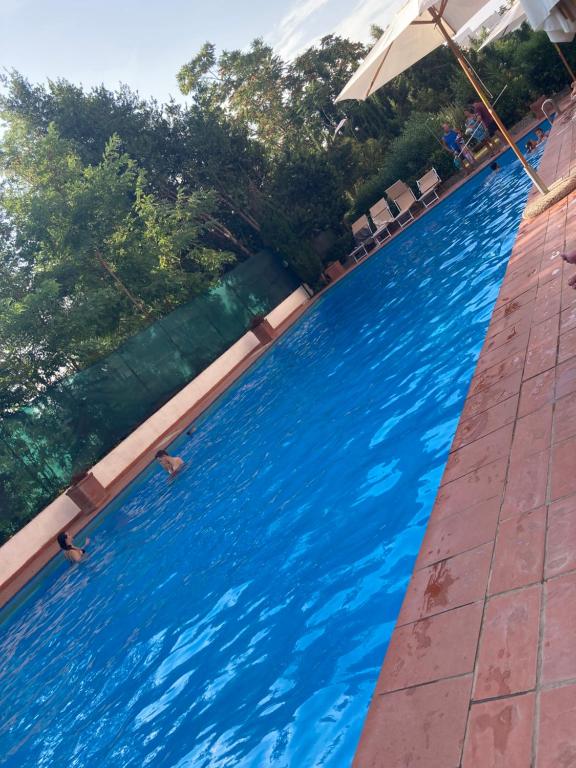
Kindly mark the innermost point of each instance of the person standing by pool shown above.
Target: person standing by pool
(172, 464)
(475, 129)
(71, 552)
(487, 121)
(454, 143)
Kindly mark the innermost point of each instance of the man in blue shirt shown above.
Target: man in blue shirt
(453, 142)
(450, 139)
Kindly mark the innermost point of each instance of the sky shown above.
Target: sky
(144, 43)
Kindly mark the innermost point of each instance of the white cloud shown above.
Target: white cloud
(356, 25)
(307, 21)
(290, 36)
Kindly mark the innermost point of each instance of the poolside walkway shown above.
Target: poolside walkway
(481, 668)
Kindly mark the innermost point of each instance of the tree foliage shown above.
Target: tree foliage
(91, 255)
(115, 209)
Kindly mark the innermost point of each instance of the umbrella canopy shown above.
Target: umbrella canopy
(486, 18)
(559, 23)
(513, 20)
(509, 22)
(411, 35)
(556, 17)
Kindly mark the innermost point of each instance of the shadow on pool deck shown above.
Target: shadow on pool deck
(481, 669)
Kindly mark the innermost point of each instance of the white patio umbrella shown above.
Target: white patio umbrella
(415, 30)
(556, 17)
(486, 18)
(509, 22)
(513, 20)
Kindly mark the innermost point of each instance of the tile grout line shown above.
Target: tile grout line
(450, 557)
(480, 633)
(487, 408)
(414, 686)
(484, 434)
(557, 684)
(443, 612)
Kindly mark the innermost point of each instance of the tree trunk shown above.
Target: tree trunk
(244, 215)
(225, 232)
(138, 304)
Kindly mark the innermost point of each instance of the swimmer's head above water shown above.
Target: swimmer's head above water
(71, 552)
(64, 540)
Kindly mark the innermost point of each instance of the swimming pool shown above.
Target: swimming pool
(239, 615)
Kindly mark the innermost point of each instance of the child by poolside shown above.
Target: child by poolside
(71, 552)
(454, 143)
(475, 128)
(172, 464)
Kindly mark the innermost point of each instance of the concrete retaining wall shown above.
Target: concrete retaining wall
(162, 427)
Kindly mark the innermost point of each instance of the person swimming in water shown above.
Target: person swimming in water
(172, 464)
(71, 552)
(541, 135)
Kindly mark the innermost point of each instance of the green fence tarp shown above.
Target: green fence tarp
(77, 421)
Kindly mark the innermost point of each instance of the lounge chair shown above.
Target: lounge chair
(403, 198)
(427, 186)
(382, 217)
(362, 237)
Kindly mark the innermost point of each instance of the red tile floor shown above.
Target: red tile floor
(481, 668)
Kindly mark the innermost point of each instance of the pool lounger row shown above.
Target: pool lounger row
(404, 200)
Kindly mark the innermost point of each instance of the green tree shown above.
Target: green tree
(215, 152)
(307, 200)
(88, 119)
(251, 84)
(316, 77)
(93, 256)
(199, 148)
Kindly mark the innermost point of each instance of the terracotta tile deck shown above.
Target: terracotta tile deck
(481, 669)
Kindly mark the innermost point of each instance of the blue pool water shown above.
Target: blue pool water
(239, 615)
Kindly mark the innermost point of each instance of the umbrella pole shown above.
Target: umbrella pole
(564, 61)
(539, 184)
